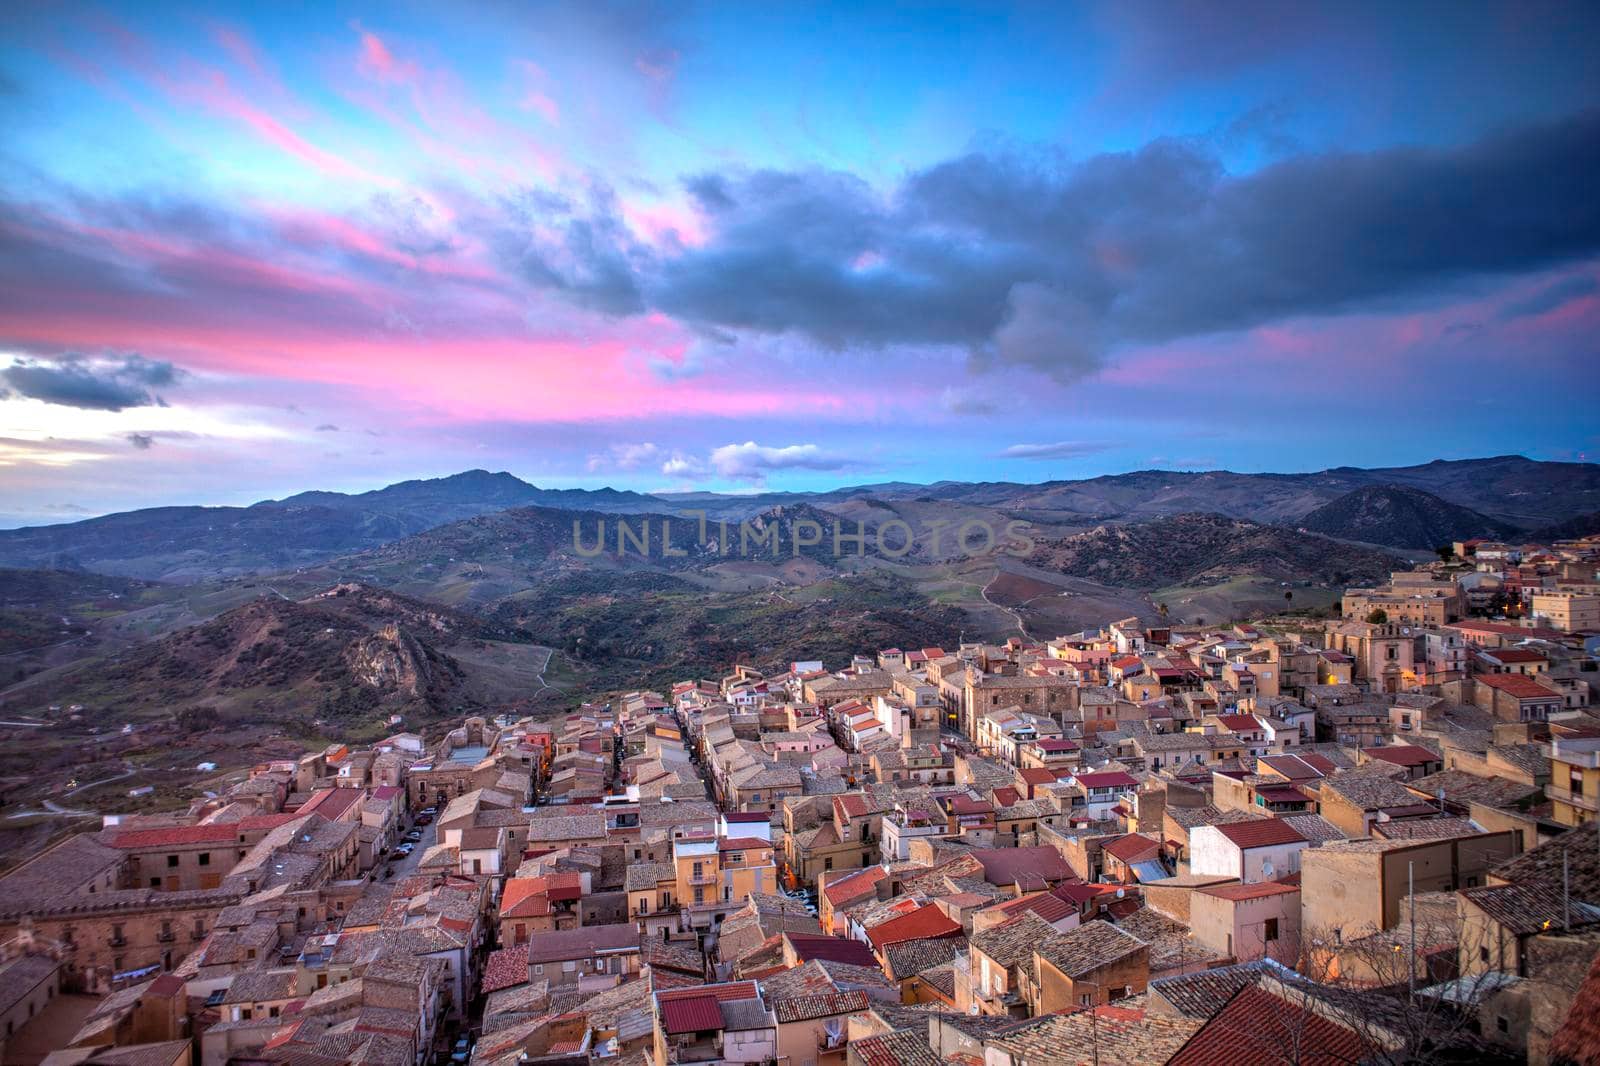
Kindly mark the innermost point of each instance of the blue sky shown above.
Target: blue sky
(247, 250)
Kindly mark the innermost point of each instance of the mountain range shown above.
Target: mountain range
(200, 543)
(331, 611)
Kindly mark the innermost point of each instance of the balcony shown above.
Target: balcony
(1578, 800)
(703, 879)
(167, 936)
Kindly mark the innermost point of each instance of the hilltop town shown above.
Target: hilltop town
(1371, 837)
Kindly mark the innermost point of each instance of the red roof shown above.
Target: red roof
(854, 886)
(1056, 744)
(1518, 686)
(733, 817)
(1050, 907)
(925, 923)
(1238, 722)
(741, 843)
(1259, 890)
(1006, 796)
(1402, 754)
(1515, 655)
(691, 1014)
(808, 946)
(1263, 833)
(331, 802)
(176, 836)
(1256, 1027)
(1107, 779)
(506, 968)
(1132, 848)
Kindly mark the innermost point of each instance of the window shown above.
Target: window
(204, 858)
(172, 861)
(1271, 933)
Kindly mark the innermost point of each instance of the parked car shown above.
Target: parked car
(405, 849)
(414, 837)
(424, 819)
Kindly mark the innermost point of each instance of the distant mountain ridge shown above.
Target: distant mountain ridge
(198, 543)
(1401, 517)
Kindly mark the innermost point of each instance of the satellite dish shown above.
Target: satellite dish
(1266, 870)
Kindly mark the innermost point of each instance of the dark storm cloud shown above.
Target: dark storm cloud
(142, 441)
(97, 384)
(578, 247)
(1036, 261)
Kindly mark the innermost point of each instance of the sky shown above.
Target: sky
(247, 250)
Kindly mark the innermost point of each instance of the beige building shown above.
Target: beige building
(1567, 610)
(1574, 788)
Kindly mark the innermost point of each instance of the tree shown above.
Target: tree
(1377, 616)
(1446, 552)
(1162, 610)
(1288, 600)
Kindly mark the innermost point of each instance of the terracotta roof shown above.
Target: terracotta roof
(1258, 890)
(1402, 754)
(1261, 833)
(1518, 686)
(921, 924)
(1256, 1027)
(807, 1008)
(1578, 1038)
(176, 836)
(1205, 992)
(1132, 848)
(506, 968)
(855, 885)
(903, 1047)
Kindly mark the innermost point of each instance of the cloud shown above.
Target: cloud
(575, 245)
(327, 427)
(625, 457)
(99, 384)
(142, 441)
(1066, 449)
(1028, 259)
(1557, 294)
(753, 462)
(966, 402)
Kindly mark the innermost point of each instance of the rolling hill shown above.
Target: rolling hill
(1401, 517)
(1197, 549)
(350, 654)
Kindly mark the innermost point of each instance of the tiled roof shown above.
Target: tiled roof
(1088, 947)
(854, 885)
(1201, 994)
(562, 945)
(1402, 754)
(1258, 890)
(910, 957)
(1031, 866)
(924, 922)
(1578, 1038)
(506, 968)
(1131, 848)
(1369, 789)
(1518, 686)
(1531, 907)
(806, 1008)
(1118, 1034)
(1256, 1027)
(903, 1047)
(1261, 833)
(1012, 943)
(808, 946)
